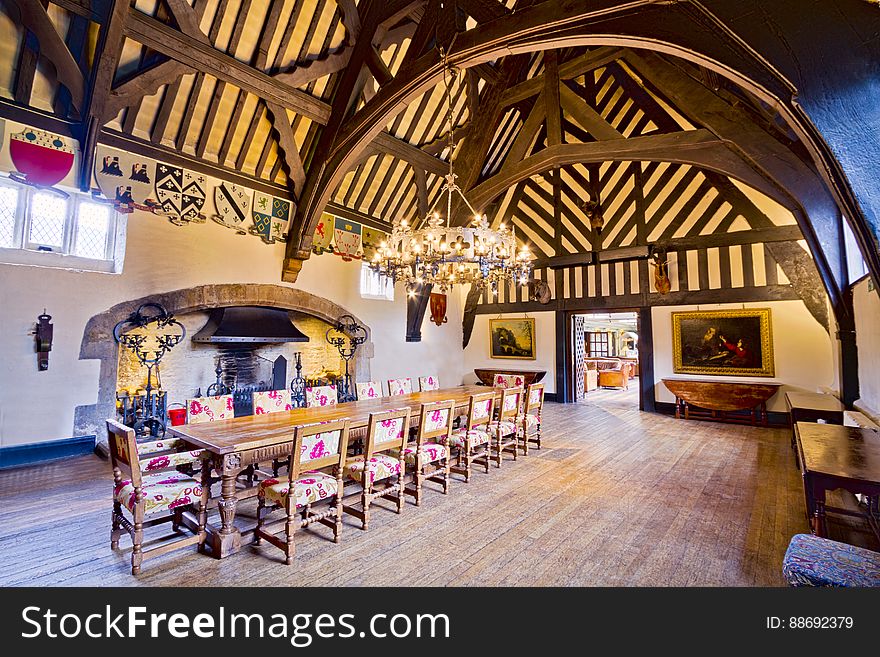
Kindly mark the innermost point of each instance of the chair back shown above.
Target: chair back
(318, 445)
(428, 383)
(369, 390)
(435, 421)
(123, 452)
(209, 409)
(509, 381)
(321, 396)
(511, 401)
(399, 387)
(272, 401)
(535, 399)
(387, 430)
(480, 409)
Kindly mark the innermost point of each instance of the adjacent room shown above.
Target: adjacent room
(523, 293)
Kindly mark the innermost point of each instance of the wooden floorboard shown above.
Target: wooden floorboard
(616, 497)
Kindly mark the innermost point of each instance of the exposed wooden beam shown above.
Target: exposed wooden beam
(207, 59)
(144, 83)
(484, 11)
(289, 152)
(35, 18)
(552, 105)
(388, 143)
(587, 117)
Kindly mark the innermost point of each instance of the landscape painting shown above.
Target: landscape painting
(512, 338)
(723, 342)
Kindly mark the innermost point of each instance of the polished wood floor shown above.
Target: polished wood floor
(616, 497)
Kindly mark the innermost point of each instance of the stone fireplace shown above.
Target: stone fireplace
(189, 368)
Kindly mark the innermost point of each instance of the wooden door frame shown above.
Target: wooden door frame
(565, 370)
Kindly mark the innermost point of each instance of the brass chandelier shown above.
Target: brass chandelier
(440, 254)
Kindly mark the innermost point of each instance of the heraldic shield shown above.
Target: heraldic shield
(233, 206)
(125, 178)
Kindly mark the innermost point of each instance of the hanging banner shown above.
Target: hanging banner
(233, 206)
(347, 238)
(125, 178)
(41, 158)
(270, 216)
(372, 240)
(192, 197)
(169, 189)
(323, 238)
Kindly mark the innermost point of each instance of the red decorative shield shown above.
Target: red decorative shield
(438, 309)
(41, 157)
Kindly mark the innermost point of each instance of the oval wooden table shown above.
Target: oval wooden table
(715, 399)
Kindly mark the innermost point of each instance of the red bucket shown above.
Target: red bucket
(177, 416)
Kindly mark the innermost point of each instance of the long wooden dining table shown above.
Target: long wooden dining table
(234, 445)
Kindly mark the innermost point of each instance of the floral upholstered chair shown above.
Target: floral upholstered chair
(272, 401)
(316, 449)
(428, 458)
(380, 473)
(162, 494)
(472, 442)
(529, 430)
(166, 453)
(427, 383)
(369, 390)
(504, 429)
(509, 381)
(321, 396)
(209, 409)
(399, 387)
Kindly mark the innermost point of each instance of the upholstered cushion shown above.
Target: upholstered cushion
(167, 490)
(380, 466)
(153, 446)
(507, 428)
(429, 383)
(430, 452)
(399, 386)
(814, 561)
(272, 401)
(389, 430)
(511, 401)
(482, 409)
(210, 409)
(369, 390)
(535, 395)
(321, 396)
(458, 438)
(172, 460)
(436, 419)
(309, 488)
(509, 381)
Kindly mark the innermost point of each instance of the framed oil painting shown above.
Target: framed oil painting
(512, 338)
(723, 342)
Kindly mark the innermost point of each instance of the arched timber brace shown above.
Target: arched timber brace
(713, 34)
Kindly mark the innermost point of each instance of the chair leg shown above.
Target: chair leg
(115, 526)
(419, 476)
(337, 525)
(289, 528)
(447, 472)
(401, 492)
(468, 460)
(365, 503)
(498, 450)
(261, 504)
(137, 555)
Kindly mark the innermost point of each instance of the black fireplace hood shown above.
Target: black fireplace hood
(249, 325)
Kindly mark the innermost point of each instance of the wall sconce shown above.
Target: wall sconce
(43, 337)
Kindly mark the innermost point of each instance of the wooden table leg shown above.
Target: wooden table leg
(228, 540)
(820, 527)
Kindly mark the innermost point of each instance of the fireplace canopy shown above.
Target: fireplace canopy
(249, 325)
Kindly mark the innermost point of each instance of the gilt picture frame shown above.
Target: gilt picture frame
(512, 338)
(723, 342)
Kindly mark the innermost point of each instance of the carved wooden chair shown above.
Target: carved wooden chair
(163, 494)
(472, 442)
(209, 409)
(321, 396)
(369, 390)
(504, 429)
(380, 473)
(272, 401)
(399, 387)
(428, 458)
(509, 381)
(427, 383)
(530, 422)
(316, 448)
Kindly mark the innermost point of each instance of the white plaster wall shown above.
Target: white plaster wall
(866, 304)
(39, 406)
(477, 353)
(802, 349)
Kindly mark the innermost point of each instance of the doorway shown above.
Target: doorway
(605, 365)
